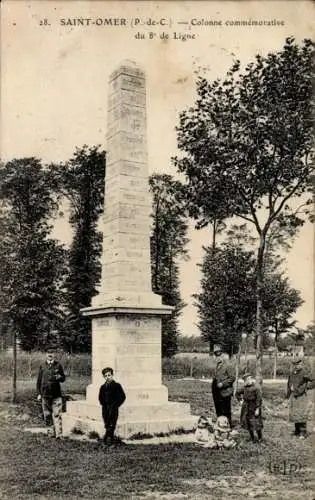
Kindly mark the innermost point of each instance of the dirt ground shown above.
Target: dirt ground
(33, 466)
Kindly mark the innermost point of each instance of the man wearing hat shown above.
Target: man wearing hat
(50, 376)
(299, 384)
(222, 385)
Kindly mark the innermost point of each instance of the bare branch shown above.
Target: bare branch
(246, 218)
(256, 222)
(270, 203)
(250, 203)
(297, 211)
(287, 197)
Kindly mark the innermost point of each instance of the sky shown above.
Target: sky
(55, 76)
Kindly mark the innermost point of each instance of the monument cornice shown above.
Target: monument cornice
(147, 310)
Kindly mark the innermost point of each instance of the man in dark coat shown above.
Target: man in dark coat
(111, 397)
(298, 392)
(50, 376)
(222, 385)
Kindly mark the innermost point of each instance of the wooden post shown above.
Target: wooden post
(245, 349)
(14, 367)
(275, 361)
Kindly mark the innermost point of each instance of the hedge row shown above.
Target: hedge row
(177, 367)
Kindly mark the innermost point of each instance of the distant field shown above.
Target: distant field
(196, 365)
(248, 356)
(203, 355)
(202, 365)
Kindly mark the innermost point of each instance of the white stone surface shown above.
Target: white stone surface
(126, 314)
(149, 424)
(127, 203)
(131, 345)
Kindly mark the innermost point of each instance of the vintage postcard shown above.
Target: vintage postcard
(154, 87)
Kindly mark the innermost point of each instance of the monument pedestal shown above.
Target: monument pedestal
(129, 340)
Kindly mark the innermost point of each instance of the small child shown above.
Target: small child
(223, 434)
(111, 397)
(204, 434)
(251, 415)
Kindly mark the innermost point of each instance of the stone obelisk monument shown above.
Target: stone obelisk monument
(126, 315)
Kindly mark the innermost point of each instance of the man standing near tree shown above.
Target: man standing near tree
(222, 385)
(300, 383)
(49, 393)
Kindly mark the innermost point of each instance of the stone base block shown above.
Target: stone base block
(130, 412)
(144, 419)
(154, 395)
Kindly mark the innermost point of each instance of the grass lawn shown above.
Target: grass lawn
(36, 467)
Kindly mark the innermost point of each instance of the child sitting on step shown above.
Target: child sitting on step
(223, 434)
(204, 434)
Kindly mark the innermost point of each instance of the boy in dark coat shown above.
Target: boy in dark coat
(111, 397)
(50, 376)
(251, 416)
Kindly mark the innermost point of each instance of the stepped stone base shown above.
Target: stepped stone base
(154, 394)
(133, 419)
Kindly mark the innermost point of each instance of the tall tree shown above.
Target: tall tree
(280, 302)
(249, 138)
(168, 245)
(6, 244)
(225, 303)
(81, 181)
(34, 262)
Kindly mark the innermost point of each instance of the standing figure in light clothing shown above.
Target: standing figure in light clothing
(300, 383)
(50, 376)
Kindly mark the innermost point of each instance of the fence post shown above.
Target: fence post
(14, 367)
(30, 366)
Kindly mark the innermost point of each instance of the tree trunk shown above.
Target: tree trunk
(1, 331)
(14, 367)
(259, 319)
(246, 347)
(237, 367)
(214, 233)
(30, 366)
(275, 357)
(275, 354)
